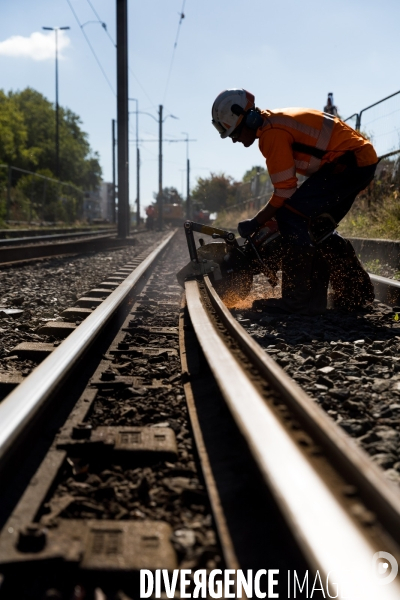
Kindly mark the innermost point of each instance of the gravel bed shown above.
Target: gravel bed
(98, 487)
(44, 289)
(171, 492)
(349, 363)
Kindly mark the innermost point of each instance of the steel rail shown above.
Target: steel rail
(330, 539)
(31, 233)
(386, 290)
(27, 252)
(23, 403)
(55, 236)
(356, 464)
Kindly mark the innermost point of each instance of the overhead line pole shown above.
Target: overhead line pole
(137, 163)
(113, 210)
(188, 204)
(57, 115)
(137, 167)
(160, 158)
(122, 118)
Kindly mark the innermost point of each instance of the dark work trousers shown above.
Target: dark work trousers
(332, 190)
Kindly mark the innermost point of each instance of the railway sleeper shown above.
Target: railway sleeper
(103, 439)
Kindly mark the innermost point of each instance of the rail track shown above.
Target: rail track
(22, 250)
(44, 231)
(255, 476)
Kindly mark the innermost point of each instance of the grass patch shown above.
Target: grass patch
(381, 220)
(376, 217)
(373, 266)
(228, 219)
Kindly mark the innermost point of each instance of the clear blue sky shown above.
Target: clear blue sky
(287, 52)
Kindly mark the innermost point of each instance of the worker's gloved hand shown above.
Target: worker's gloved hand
(247, 227)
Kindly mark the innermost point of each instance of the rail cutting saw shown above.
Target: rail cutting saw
(232, 262)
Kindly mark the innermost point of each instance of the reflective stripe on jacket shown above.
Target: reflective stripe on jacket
(284, 127)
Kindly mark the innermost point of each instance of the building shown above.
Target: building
(92, 205)
(106, 194)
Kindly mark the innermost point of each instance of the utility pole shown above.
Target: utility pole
(160, 189)
(113, 211)
(137, 167)
(122, 118)
(188, 204)
(137, 163)
(137, 184)
(160, 159)
(56, 30)
(57, 116)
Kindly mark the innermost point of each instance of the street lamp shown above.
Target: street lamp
(56, 29)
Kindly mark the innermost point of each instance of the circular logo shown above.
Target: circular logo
(384, 567)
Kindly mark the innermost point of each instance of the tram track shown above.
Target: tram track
(354, 485)
(125, 461)
(28, 249)
(51, 237)
(134, 389)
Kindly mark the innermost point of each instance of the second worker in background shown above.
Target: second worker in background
(339, 163)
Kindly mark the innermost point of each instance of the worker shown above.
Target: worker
(151, 214)
(330, 107)
(339, 162)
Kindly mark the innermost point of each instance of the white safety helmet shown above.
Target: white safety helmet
(223, 119)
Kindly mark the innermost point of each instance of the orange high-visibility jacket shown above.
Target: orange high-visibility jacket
(284, 127)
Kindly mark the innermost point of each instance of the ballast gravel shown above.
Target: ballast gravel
(349, 363)
(173, 492)
(41, 291)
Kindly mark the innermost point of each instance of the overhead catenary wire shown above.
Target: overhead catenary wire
(181, 17)
(104, 25)
(91, 47)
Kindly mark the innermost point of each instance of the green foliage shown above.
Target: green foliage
(251, 173)
(13, 132)
(77, 162)
(170, 195)
(216, 192)
(48, 200)
(374, 266)
(27, 141)
(376, 211)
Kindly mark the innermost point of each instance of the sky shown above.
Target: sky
(286, 52)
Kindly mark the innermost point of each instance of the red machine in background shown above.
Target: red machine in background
(172, 213)
(200, 215)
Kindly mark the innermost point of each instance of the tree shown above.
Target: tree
(30, 139)
(27, 141)
(215, 192)
(49, 200)
(251, 173)
(13, 132)
(170, 195)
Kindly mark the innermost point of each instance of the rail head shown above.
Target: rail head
(329, 537)
(372, 485)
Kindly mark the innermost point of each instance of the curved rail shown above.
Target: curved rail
(330, 538)
(21, 405)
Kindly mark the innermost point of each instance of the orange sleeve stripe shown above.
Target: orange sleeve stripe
(276, 201)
